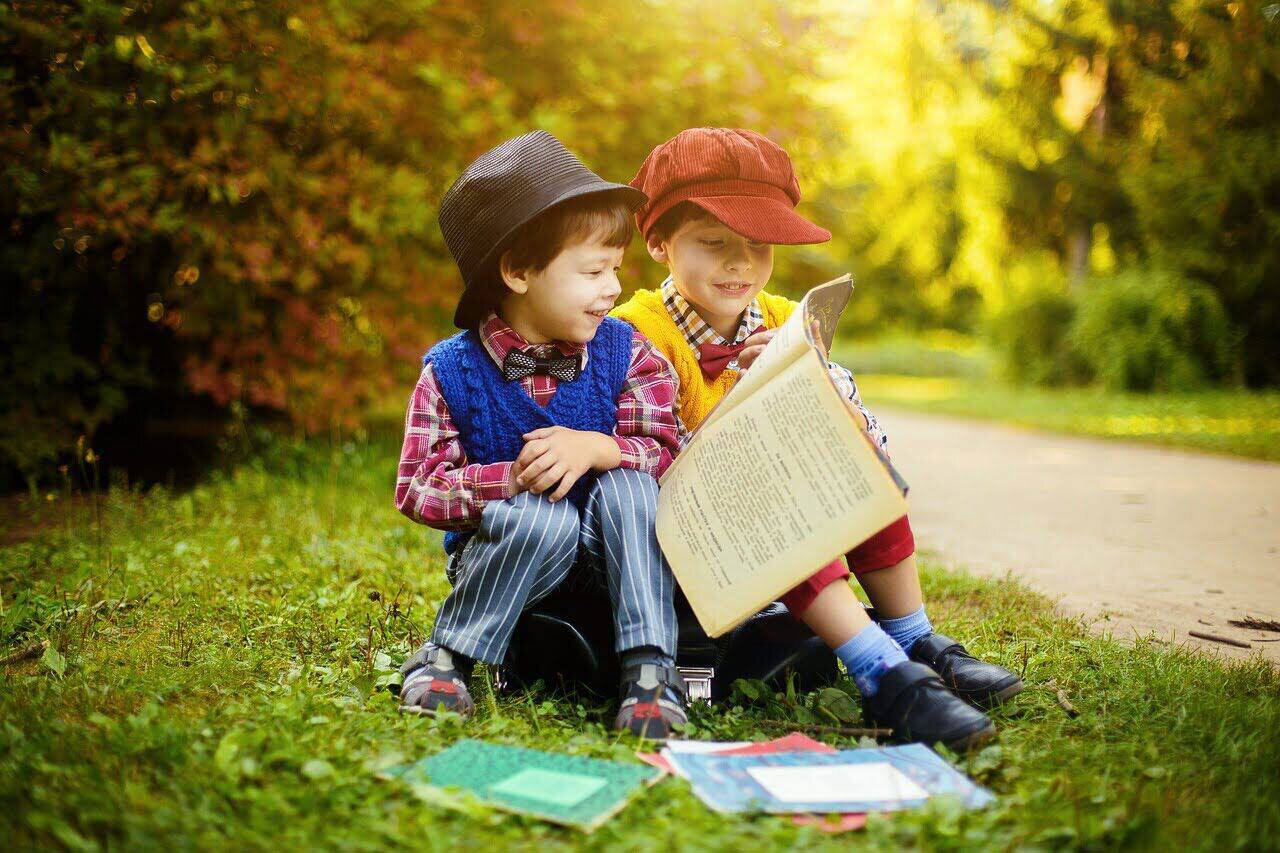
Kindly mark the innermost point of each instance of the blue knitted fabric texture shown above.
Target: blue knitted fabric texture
(492, 414)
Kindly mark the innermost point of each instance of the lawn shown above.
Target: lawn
(951, 375)
(213, 672)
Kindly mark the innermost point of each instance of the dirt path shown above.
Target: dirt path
(1137, 538)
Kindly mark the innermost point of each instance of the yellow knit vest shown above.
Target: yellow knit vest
(698, 396)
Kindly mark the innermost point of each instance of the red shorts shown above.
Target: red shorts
(887, 548)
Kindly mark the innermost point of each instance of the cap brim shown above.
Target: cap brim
(473, 302)
(765, 220)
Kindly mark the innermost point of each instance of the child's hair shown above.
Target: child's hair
(670, 222)
(604, 216)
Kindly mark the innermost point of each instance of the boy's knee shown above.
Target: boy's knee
(627, 490)
(531, 516)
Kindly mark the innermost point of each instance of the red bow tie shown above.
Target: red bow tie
(714, 358)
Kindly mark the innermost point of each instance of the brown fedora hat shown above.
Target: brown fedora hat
(502, 190)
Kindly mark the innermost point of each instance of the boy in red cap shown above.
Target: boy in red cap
(718, 202)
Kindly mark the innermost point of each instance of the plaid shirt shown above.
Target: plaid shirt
(697, 332)
(435, 484)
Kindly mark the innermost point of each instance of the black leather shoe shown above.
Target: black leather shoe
(981, 684)
(913, 701)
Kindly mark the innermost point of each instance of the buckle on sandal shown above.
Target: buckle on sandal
(697, 682)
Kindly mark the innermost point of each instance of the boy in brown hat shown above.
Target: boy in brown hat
(719, 200)
(534, 437)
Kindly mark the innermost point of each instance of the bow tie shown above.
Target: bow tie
(518, 364)
(714, 358)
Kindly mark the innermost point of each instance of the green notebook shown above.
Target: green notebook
(567, 789)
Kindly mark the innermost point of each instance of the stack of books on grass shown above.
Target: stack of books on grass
(800, 776)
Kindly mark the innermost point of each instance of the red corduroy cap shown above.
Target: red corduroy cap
(738, 176)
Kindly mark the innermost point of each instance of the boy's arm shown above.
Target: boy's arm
(434, 483)
(646, 438)
(648, 431)
(849, 390)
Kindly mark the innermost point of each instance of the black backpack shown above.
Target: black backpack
(566, 641)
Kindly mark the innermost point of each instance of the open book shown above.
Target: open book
(778, 480)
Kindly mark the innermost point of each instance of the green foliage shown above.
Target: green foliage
(1153, 331)
(229, 206)
(233, 203)
(222, 651)
(937, 353)
(1032, 331)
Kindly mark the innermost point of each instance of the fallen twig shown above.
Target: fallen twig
(1065, 704)
(31, 651)
(1256, 624)
(835, 730)
(1220, 639)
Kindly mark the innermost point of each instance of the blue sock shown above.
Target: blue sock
(868, 656)
(907, 629)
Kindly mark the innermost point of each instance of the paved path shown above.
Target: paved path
(1139, 538)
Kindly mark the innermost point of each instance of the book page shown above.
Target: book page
(823, 303)
(789, 343)
(779, 486)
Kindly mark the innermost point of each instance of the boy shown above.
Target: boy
(719, 200)
(534, 436)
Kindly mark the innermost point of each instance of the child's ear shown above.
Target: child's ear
(657, 248)
(515, 279)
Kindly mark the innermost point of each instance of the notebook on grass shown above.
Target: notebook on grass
(567, 789)
(855, 780)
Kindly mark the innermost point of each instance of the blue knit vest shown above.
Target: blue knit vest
(492, 414)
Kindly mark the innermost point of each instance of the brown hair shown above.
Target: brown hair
(670, 222)
(604, 216)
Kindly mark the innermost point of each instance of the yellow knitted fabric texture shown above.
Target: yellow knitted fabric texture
(698, 395)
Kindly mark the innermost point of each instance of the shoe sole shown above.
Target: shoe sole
(419, 711)
(972, 739)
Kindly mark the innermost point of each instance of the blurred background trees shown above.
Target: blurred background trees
(215, 210)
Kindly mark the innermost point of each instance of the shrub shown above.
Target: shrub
(1151, 330)
(222, 206)
(1030, 333)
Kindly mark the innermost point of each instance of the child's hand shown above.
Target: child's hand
(560, 455)
(754, 345)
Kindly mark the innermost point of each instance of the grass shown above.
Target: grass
(218, 654)
(1240, 423)
(948, 373)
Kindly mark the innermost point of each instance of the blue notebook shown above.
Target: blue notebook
(891, 778)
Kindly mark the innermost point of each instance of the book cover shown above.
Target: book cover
(890, 778)
(777, 481)
(572, 790)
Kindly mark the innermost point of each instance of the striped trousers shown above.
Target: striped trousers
(526, 546)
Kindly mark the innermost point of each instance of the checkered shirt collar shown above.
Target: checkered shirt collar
(499, 338)
(695, 330)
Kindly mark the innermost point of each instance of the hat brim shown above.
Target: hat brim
(475, 301)
(764, 220)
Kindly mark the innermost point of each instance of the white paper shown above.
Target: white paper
(838, 783)
(705, 745)
(695, 746)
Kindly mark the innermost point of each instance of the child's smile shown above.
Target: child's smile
(569, 299)
(717, 270)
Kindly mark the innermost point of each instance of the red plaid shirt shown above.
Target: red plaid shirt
(435, 484)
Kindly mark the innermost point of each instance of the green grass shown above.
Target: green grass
(1241, 423)
(221, 652)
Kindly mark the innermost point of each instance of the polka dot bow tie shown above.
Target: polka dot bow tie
(518, 364)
